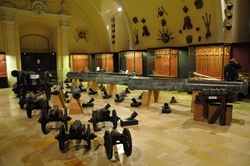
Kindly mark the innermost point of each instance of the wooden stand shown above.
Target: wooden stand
(194, 93)
(93, 85)
(198, 113)
(111, 89)
(75, 106)
(75, 81)
(147, 97)
(60, 100)
(212, 112)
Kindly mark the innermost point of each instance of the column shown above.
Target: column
(10, 45)
(64, 47)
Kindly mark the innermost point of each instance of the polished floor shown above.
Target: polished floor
(158, 140)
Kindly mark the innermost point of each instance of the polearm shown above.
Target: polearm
(161, 84)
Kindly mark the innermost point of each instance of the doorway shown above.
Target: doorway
(39, 63)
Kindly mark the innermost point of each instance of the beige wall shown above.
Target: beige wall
(95, 16)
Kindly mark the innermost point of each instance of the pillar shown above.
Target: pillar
(10, 45)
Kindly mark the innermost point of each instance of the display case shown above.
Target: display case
(208, 61)
(104, 61)
(3, 69)
(80, 62)
(162, 62)
(131, 61)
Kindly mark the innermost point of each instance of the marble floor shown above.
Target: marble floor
(158, 140)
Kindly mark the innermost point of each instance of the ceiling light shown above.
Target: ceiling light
(119, 9)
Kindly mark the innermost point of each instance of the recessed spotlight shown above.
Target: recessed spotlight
(119, 9)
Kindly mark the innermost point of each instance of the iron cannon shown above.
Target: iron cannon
(114, 137)
(103, 115)
(29, 81)
(54, 114)
(58, 88)
(75, 92)
(77, 131)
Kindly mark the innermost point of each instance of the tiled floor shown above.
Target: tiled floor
(158, 140)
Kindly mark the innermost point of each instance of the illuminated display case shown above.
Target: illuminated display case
(105, 61)
(163, 62)
(208, 61)
(131, 61)
(3, 69)
(80, 62)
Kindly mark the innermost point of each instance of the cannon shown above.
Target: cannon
(89, 103)
(135, 103)
(162, 84)
(118, 98)
(106, 95)
(166, 108)
(114, 137)
(29, 81)
(58, 88)
(33, 102)
(130, 120)
(103, 115)
(77, 131)
(54, 114)
(75, 92)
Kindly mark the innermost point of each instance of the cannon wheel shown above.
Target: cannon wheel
(28, 107)
(127, 144)
(22, 102)
(114, 119)
(61, 137)
(108, 144)
(47, 85)
(88, 137)
(42, 120)
(65, 118)
(94, 120)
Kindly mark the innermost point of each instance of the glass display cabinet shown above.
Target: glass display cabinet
(207, 62)
(131, 61)
(80, 62)
(162, 62)
(104, 61)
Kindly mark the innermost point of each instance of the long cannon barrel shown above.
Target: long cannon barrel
(102, 77)
(186, 85)
(164, 84)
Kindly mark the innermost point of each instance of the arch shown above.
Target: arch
(34, 43)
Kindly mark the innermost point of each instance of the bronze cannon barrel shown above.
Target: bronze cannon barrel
(158, 83)
(114, 79)
(100, 77)
(85, 76)
(186, 85)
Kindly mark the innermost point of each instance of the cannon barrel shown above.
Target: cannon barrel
(75, 92)
(185, 85)
(58, 88)
(91, 76)
(164, 84)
